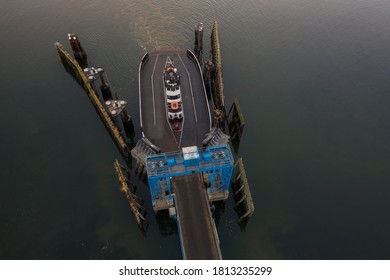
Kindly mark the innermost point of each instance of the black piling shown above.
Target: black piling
(78, 50)
(128, 125)
(208, 74)
(198, 48)
(105, 89)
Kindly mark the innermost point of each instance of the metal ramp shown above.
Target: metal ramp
(216, 137)
(143, 149)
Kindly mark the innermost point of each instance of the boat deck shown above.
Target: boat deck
(154, 123)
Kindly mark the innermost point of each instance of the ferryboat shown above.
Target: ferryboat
(174, 104)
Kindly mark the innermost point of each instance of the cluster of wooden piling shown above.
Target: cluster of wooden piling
(213, 79)
(236, 122)
(212, 76)
(219, 97)
(241, 193)
(86, 79)
(135, 203)
(72, 66)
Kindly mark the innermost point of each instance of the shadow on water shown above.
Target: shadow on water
(243, 224)
(235, 143)
(130, 135)
(166, 224)
(83, 62)
(218, 208)
(220, 212)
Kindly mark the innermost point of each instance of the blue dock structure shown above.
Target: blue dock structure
(176, 182)
(215, 163)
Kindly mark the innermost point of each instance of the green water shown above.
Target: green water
(312, 81)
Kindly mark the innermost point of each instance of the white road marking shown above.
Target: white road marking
(151, 80)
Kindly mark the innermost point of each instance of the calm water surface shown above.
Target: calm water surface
(313, 81)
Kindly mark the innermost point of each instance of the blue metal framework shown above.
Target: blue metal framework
(215, 161)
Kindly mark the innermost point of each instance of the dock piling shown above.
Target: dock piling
(78, 50)
(219, 98)
(128, 125)
(135, 203)
(208, 74)
(242, 195)
(198, 48)
(105, 89)
(237, 122)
